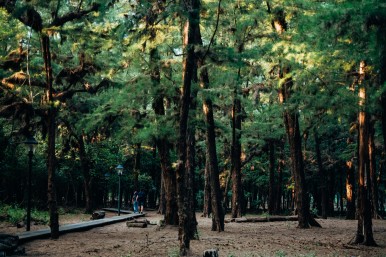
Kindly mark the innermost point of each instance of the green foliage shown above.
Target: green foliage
(15, 214)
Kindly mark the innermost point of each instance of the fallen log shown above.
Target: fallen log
(96, 215)
(139, 221)
(263, 219)
(136, 225)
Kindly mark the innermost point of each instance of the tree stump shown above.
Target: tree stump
(211, 253)
(96, 215)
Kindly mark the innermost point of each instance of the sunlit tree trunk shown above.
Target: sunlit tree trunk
(364, 232)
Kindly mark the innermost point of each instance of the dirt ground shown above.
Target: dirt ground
(239, 239)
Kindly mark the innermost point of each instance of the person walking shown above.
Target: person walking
(135, 201)
(141, 200)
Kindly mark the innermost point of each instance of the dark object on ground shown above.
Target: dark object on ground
(211, 253)
(96, 215)
(9, 245)
(263, 219)
(137, 223)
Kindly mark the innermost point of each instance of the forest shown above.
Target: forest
(211, 106)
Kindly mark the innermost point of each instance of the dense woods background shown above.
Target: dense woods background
(216, 106)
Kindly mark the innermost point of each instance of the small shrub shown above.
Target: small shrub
(15, 214)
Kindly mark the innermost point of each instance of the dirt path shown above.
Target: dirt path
(238, 239)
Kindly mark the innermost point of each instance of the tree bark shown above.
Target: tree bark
(191, 10)
(168, 175)
(350, 192)
(236, 154)
(207, 210)
(216, 205)
(51, 125)
(373, 171)
(293, 133)
(190, 172)
(364, 232)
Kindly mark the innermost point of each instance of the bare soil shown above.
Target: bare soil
(238, 239)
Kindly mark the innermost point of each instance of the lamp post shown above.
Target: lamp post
(119, 169)
(31, 144)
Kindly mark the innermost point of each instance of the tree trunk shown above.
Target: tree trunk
(271, 191)
(207, 210)
(321, 175)
(236, 154)
(87, 179)
(51, 124)
(350, 193)
(190, 189)
(168, 183)
(191, 9)
(216, 206)
(279, 190)
(137, 165)
(364, 232)
(293, 133)
(373, 171)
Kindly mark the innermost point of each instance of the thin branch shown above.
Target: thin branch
(73, 16)
(215, 30)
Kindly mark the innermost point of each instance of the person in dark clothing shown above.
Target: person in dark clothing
(135, 202)
(141, 200)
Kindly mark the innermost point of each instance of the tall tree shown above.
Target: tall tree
(33, 19)
(190, 14)
(364, 232)
(291, 122)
